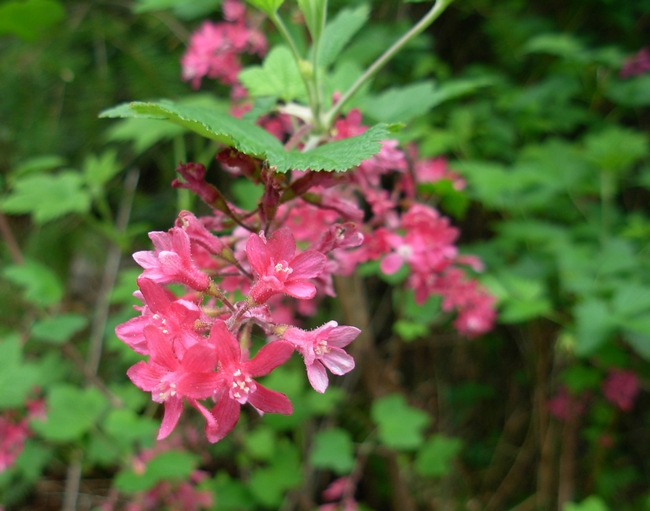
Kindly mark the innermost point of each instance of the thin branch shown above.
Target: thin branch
(419, 27)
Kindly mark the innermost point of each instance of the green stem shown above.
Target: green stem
(309, 84)
(419, 27)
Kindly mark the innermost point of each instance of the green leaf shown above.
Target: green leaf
(48, 197)
(637, 334)
(170, 465)
(630, 92)
(339, 32)
(233, 495)
(98, 170)
(267, 6)
(254, 141)
(70, 412)
(631, 299)
(184, 9)
(270, 484)
(41, 284)
(29, 19)
(400, 425)
(143, 132)
(579, 378)
(616, 148)
(37, 164)
(210, 123)
(404, 104)
(452, 201)
(410, 330)
(561, 45)
(593, 325)
(128, 427)
(60, 328)
(592, 503)
(333, 450)
(314, 12)
(435, 457)
(17, 378)
(278, 76)
(260, 443)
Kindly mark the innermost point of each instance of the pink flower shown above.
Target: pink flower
(173, 373)
(621, 388)
(12, 439)
(172, 260)
(279, 270)
(174, 318)
(236, 384)
(637, 64)
(322, 348)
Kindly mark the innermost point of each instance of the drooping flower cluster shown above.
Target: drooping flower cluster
(214, 49)
(199, 344)
(621, 388)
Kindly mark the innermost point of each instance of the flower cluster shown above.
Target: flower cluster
(14, 431)
(215, 48)
(198, 344)
(637, 64)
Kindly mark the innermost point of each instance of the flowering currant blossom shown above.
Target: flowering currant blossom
(279, 270)
(174, 318)
(214, 49)
(173, 373)
(621, 388)
(236, 386)
(172, 260)
(322, 348)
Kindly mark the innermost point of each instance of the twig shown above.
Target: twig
(10, 240)
(110, 273)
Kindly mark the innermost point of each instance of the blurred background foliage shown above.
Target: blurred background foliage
(525, 100)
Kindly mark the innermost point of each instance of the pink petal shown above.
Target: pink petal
(173, 410)
(338, 361)
(226, 414)
(282, 245)
(200, 358)
(155, 297)
(199, 385)
(307, 265)
(391, 264)
(302, 290)
(144, 376)
(270, 401)
(258, 254)
(269, 357)
(227, 348)
(131, 334)
(317, 376)
(160, 348)
(341, 336)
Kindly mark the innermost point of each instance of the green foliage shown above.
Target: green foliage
(17, 377)
(268, 6)
(400, 425)
(592, 503)
(278, 76)
(339, 31)
(333, 450)
(41, 285)
(253, 140)
(58, 329)
(28, 19)
(168, 466)
(48, 197)
(435, 456)
(71, 412)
